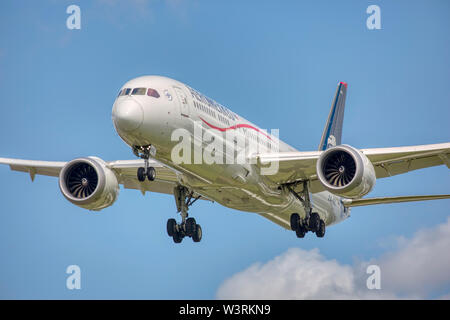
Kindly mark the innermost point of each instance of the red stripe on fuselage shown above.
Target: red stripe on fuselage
(242, 125)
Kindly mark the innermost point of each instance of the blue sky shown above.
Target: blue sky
(276, 64)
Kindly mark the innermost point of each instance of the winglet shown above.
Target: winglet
(332, 133)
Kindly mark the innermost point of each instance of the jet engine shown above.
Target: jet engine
(89, 183)
(345, 171)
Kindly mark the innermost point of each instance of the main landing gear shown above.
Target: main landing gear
(188, 226)
(312, 221)
(146, 171)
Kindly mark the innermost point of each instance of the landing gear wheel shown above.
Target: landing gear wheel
(295, 221)
(321, 231)
(141, 174)
(314, 221)
(188, 227)
(151, 173)
(191, 225)
(300, 232)
(171, 227)
(177, 237)
(197, 236)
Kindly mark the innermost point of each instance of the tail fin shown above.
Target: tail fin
(332, 132)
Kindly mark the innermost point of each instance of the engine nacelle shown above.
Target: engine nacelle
(345, 171)
(88, 183)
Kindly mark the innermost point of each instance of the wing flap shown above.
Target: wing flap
(158, 185)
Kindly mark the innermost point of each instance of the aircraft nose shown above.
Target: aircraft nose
(128, 115)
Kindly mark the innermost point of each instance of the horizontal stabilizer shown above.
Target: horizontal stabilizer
(370, 201)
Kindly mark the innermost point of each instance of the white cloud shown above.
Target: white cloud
(417, 267)
(296, 274)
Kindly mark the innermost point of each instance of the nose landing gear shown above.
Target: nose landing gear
(146, 171)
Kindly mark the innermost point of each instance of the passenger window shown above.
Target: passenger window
(152, 93)
(138, 91)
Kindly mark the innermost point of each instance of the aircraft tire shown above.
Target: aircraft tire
(300, 232)
(151, 174)
(190, 226)
(295, 221)
(177, 238)
(197, 236)
(141, 174)
(314, 222)
(320, 233)
(171, 224)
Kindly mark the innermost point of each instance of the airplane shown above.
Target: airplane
(308, 191)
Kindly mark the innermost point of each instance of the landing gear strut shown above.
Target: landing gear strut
(146, 171)
(188, 226)
(312, 221)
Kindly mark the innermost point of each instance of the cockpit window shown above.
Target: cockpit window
(152, 93)
(125, 92)
(138, 91)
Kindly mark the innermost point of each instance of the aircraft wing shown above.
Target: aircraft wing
(392, 161)
(33, 167)
(386, 200)
(300, 166)
(125, 171)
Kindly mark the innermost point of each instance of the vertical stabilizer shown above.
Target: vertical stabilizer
(332, 133)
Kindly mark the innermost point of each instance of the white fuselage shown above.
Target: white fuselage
(150, 117)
